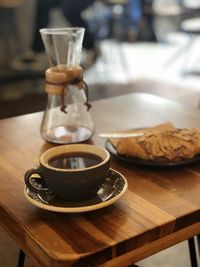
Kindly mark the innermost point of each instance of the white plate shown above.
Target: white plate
(112, 190)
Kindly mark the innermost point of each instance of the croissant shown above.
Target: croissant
(169, 145)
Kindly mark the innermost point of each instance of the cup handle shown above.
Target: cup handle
(31, 186)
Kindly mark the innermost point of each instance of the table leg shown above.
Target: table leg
(192, 250)
(21, 259)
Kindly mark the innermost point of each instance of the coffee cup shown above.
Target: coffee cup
(72, 172)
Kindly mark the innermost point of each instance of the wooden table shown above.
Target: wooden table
(161, 207)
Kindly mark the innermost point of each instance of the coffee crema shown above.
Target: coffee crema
(74, 160)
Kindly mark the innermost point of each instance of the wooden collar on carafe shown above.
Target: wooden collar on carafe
(59, 77)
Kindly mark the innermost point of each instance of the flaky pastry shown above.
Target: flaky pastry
(169, 145)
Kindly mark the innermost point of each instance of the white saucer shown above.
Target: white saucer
(112, 190)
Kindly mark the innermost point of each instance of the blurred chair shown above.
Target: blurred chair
(180, 17)
(167, 17)
(190, 25)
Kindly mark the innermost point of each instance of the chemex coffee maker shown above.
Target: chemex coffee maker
(67, 118)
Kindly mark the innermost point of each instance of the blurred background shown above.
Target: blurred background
(130, 45)
(147, 46)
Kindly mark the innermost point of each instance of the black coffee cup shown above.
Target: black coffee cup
(72, 172)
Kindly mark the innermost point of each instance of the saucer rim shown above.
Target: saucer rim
(79, 209)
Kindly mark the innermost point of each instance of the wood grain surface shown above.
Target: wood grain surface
(160, 208)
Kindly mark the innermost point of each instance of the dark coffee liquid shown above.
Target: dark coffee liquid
(74, 160)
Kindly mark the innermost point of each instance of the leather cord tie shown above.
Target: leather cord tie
(59, 77)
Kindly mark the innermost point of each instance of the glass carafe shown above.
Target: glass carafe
(67, 118)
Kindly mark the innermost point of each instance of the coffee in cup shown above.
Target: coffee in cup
(72, 172)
